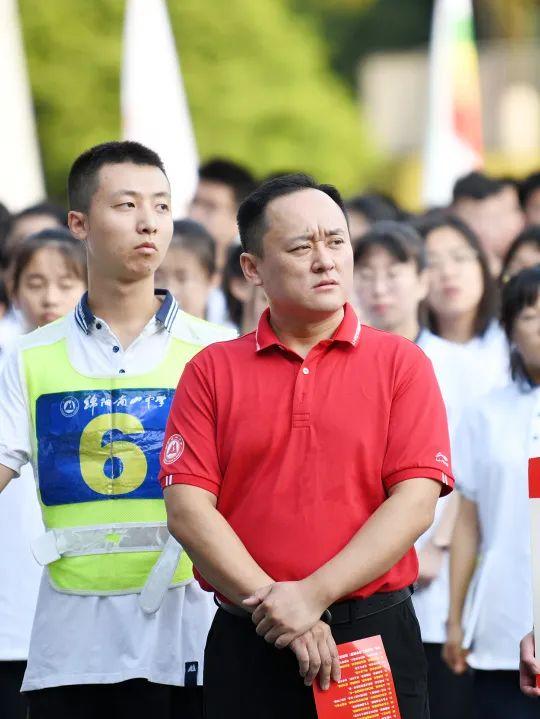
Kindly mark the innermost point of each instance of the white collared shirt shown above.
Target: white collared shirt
(493, 443)
(465, 373)
(96, 639)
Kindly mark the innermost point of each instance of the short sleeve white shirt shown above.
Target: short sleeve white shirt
(106, 639)
(465, 373)
(492, 447)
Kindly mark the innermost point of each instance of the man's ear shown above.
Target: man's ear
(78, 224)
(249, 264)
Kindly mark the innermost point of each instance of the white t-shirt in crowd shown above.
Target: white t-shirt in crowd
(20, 574)
(493, 443)
(106, 639)
(465, 373)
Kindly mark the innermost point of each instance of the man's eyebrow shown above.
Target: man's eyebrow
(134, 193)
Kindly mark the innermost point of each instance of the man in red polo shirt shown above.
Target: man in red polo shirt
(301, 463)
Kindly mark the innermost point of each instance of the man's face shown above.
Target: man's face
(128, 226)
(497, 220)
(214, 206)
(307, 265)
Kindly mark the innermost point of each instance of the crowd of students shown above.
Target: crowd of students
(463, 283)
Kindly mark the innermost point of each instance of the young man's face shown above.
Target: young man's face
(307, 264)
(214, 206)
(128, 226)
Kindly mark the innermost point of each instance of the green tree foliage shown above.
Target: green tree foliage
(257, 76)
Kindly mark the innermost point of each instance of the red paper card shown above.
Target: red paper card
(366, 689)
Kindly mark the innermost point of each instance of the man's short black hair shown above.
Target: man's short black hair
(83, 176)
(238, 178)
(375, 206)
(251, 214)
(476, 186)
(529, 185)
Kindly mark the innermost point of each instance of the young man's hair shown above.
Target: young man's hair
(50, 209)
(251, 214)
(526, 188)
(476, 186)
(225, 172)
(399, 239)
(519, 292)
(193, 237)
(375, 206)
(83, 176)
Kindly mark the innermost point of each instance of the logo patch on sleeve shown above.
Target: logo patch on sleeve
(173, 449)
(191, 674)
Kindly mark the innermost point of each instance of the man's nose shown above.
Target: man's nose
(324, 260)
(147, 223)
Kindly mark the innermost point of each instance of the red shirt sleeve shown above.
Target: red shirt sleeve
(189, 454)
(418, 444)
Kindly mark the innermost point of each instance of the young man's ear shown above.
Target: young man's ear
(77, 224)
(248, 262)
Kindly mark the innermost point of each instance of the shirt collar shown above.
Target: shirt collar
(166, 314)
(347, 332)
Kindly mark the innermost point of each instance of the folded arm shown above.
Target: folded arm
(287, 609)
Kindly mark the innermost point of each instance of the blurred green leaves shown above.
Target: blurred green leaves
(257, 76)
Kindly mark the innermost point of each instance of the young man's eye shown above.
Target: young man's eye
(163, 206)
(129, 203)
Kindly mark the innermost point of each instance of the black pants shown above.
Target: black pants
(497, 696)
(12, 703)
(136, 699)
(244, 677)
(450, 695)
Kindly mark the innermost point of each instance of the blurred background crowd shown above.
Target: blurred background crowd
(446, 242)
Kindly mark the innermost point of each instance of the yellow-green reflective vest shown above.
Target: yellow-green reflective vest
(96, 456)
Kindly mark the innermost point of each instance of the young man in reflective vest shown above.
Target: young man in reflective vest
(120, 625)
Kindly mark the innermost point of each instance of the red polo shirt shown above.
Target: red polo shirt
(301, 452)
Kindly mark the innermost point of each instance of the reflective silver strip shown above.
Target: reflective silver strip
(111, 538)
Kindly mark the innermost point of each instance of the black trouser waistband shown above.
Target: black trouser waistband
(346, 611)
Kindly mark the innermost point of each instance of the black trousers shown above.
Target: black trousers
(12, 703)
(244, 677)
(450, 695)
(497, 696)
(136, 699)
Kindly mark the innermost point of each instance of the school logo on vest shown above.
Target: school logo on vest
(69, 406)
(173, 449)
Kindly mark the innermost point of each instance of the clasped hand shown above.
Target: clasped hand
(287, 614)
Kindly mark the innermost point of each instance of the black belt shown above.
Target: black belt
(343, 612)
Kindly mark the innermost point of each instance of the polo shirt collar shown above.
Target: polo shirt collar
(166, 314)
(347, 332)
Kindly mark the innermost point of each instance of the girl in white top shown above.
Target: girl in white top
(391, 281)
(490, 553)
(48, 277)
(462, 301)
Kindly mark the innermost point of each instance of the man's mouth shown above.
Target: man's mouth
(146, 246)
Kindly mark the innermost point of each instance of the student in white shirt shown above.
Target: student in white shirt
(94, 653)
(47, 278)
(490, 551)
(391, 282)
(462, 301)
